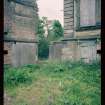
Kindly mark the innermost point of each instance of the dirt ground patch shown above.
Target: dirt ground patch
(7, 99)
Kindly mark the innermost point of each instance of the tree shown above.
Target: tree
(40, 29)
(54, 33)
(56, 30)
(45, 20)
(43, 48)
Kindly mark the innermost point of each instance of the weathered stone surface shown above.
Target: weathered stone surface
(20, 23)
(69, 51)
(55, 50)
(7, 57)
(68, 18)
(23, 54)
(75, 50)
(88, 33)
(88, 50)
(75, 15)
(8, 13)
(24, 23)
(20, 53)
(20, 13)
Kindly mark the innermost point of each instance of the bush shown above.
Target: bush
(31, 67)
(14, 77)
(43, 48)
(95, 65)
(61, 66)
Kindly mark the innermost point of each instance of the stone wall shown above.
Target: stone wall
(20, 24)
(88, 51)
(20, 52)
(88, 33)
(79, 43)
(55, 50)
(8, 15)
(7, 57)
(23, 25)
(68, 18)
(75, 50)
(20, 18)
(69, 52)
(23, 54)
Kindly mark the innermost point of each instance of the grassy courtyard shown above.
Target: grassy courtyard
(53, 83)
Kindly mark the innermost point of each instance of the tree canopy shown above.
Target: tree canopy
(40, 29)
(43, 49)
(56, 30)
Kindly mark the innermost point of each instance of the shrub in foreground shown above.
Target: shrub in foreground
(14, 77)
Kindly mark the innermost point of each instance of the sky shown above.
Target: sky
(51, 9)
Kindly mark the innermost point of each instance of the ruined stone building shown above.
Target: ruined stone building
(20, 23)
(82, 24)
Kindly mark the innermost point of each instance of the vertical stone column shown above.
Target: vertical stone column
(68, 18)
(51, 51)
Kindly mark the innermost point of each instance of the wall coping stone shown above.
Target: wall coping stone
(95, 37)
(10, 39)
(82, 38)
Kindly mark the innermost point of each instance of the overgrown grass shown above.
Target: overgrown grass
(54, 83)
(16, 76)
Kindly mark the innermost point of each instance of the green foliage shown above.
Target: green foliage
(32, 67)
(70, 83)
(16, 76)
(56, 30)
(53, 34)
(44, 20)
(40, 29)
(43, 45)
(43, 48)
